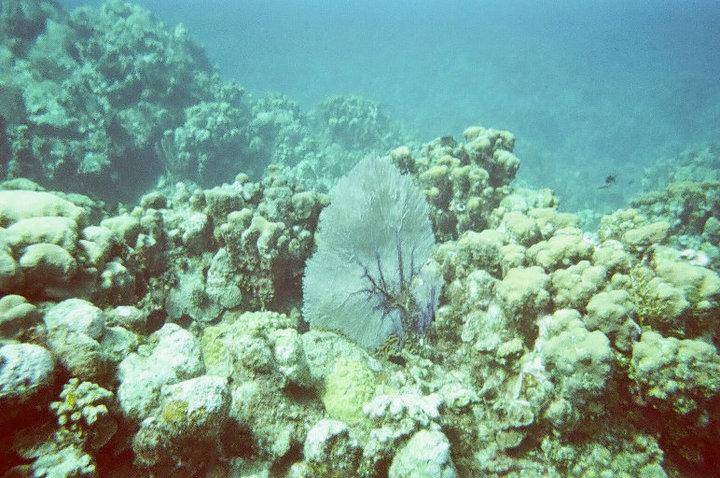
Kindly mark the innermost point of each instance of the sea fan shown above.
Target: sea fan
(368, 278)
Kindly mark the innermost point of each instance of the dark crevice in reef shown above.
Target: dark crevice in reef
(281, 467)
(237, 441)
(300, 394)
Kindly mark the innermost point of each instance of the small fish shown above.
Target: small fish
(609, 181)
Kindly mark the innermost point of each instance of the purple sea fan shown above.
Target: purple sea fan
(370, 276)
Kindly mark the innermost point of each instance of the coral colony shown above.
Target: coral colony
(381, 284)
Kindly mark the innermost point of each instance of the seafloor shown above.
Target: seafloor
(427, 317)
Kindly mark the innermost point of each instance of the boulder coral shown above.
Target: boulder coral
(462, 182)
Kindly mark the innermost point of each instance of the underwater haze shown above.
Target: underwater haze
(589, 88)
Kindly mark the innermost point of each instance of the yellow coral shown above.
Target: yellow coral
(175, 412)
(349, 386)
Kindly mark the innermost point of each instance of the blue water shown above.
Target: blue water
(589, 88)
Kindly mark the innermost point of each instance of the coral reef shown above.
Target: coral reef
(548, 349)
(684, 191)
(462, 182)
(180, 335)
(356, 122)
(106, 100)
(92, 93)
